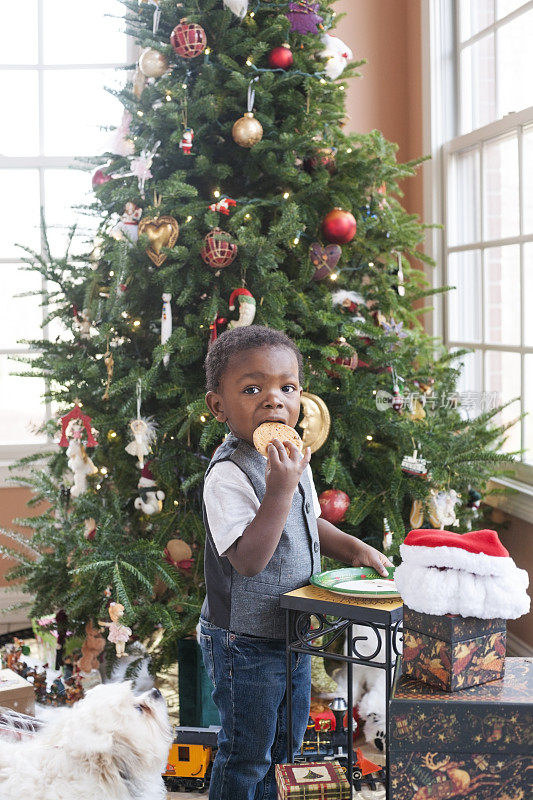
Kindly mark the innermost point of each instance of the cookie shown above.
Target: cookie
(264, 434)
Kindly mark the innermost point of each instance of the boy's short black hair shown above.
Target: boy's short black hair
(236, 340)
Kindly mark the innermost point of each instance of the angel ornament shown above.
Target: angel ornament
(144, 432)
(78, 460)
(118, 633)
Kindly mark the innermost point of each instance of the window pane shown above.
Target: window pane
(528, 296)
(82, 92)
(528, 406)
(502, 290)
(85, 33)
(470, 384)
(474, 15)
(64, 189)
(478, 84)
(515, 64)
(464, 302)
(19, 132)
(19, 220)
(20, 317)
(502, 375)
(463, 199)
(504, 7)
(15, 48)
(500, 188)
(527, 183)
(21, 406)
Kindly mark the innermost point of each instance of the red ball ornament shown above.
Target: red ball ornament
(188, 39)
(99, 178)
(280, 57)
(217, 251)
(339, 226)
(334, 505)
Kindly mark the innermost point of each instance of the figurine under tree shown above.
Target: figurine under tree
(241, 101)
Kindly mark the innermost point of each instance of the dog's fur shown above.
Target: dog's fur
(112, 745)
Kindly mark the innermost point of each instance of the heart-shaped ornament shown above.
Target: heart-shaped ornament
(324, 259)
(162, 232)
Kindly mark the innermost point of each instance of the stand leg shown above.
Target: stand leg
(349, 676)
(289, 685)
(388, 682)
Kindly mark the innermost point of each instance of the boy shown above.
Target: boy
(264, 537)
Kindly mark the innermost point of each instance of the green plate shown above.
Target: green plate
(357, 582)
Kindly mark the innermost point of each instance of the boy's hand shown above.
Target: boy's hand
(367, 556)
(284, 471)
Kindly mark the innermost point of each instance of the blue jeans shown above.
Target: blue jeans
(248, 674)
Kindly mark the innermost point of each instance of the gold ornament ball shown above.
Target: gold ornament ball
(152, 63)
(247, 131)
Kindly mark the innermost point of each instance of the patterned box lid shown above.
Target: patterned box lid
(315, 779)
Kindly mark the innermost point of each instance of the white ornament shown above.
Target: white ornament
(237, 7)
(337, 54)
(150, 502)
(144, 433)
(128, 227)
(166, 324)
(442, 508)
(246, 308)
(81, 466)
(121, 144)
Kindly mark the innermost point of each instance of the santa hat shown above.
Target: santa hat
(243, 295)
(146, 472)
(470, 574)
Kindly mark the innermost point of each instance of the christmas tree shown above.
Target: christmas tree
(231, 183)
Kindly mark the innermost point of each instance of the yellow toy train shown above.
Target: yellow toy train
(190, 758)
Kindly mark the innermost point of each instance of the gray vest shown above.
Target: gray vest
(250, 605)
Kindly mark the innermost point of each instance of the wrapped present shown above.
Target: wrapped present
(452, 652)
(16, 692)
(315, 779)
(475, 744)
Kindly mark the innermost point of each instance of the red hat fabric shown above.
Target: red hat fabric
(485, 541)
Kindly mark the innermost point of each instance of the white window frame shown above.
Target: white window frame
(11, 453)
(440, 70)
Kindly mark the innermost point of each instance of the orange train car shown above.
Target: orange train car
(190, 758)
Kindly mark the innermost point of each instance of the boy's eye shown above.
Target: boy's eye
(288, 388)
(251, 390)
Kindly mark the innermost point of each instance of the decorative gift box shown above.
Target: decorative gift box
(16, 692)
(320, 779)
(475, 744)
(452, 652)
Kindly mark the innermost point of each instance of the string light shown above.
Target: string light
(103, 470)
(349, 150)
(183, 85)
(111, 273)
(286, 195)
(168, 98)
(125, 315)
(207, 51)
(322, 81)
(188, 218)
(136, 323)
(247, 216)
(252, 14)
(341, 87)
(333, 276)
(296, 240)
(249, 62)
(140, 113)
(374, 392)
(176, 502)
(98, 486)
(369, 438)
(112, 435)
(370, 263)
(216, 193)
(202, 418)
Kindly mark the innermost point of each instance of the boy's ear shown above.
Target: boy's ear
(216, 406)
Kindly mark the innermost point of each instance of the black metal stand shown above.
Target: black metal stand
(336, 615)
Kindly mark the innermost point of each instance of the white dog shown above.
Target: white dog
(112, 745)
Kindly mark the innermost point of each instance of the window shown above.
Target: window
(52, 81)
(486, 154)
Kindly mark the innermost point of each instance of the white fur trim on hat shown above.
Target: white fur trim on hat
(453, 591)
(456, 558)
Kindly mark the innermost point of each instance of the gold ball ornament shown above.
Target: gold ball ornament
(247, 131)
(152, 63)
(316, 421)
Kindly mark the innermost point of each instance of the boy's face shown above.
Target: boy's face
(259, 385)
